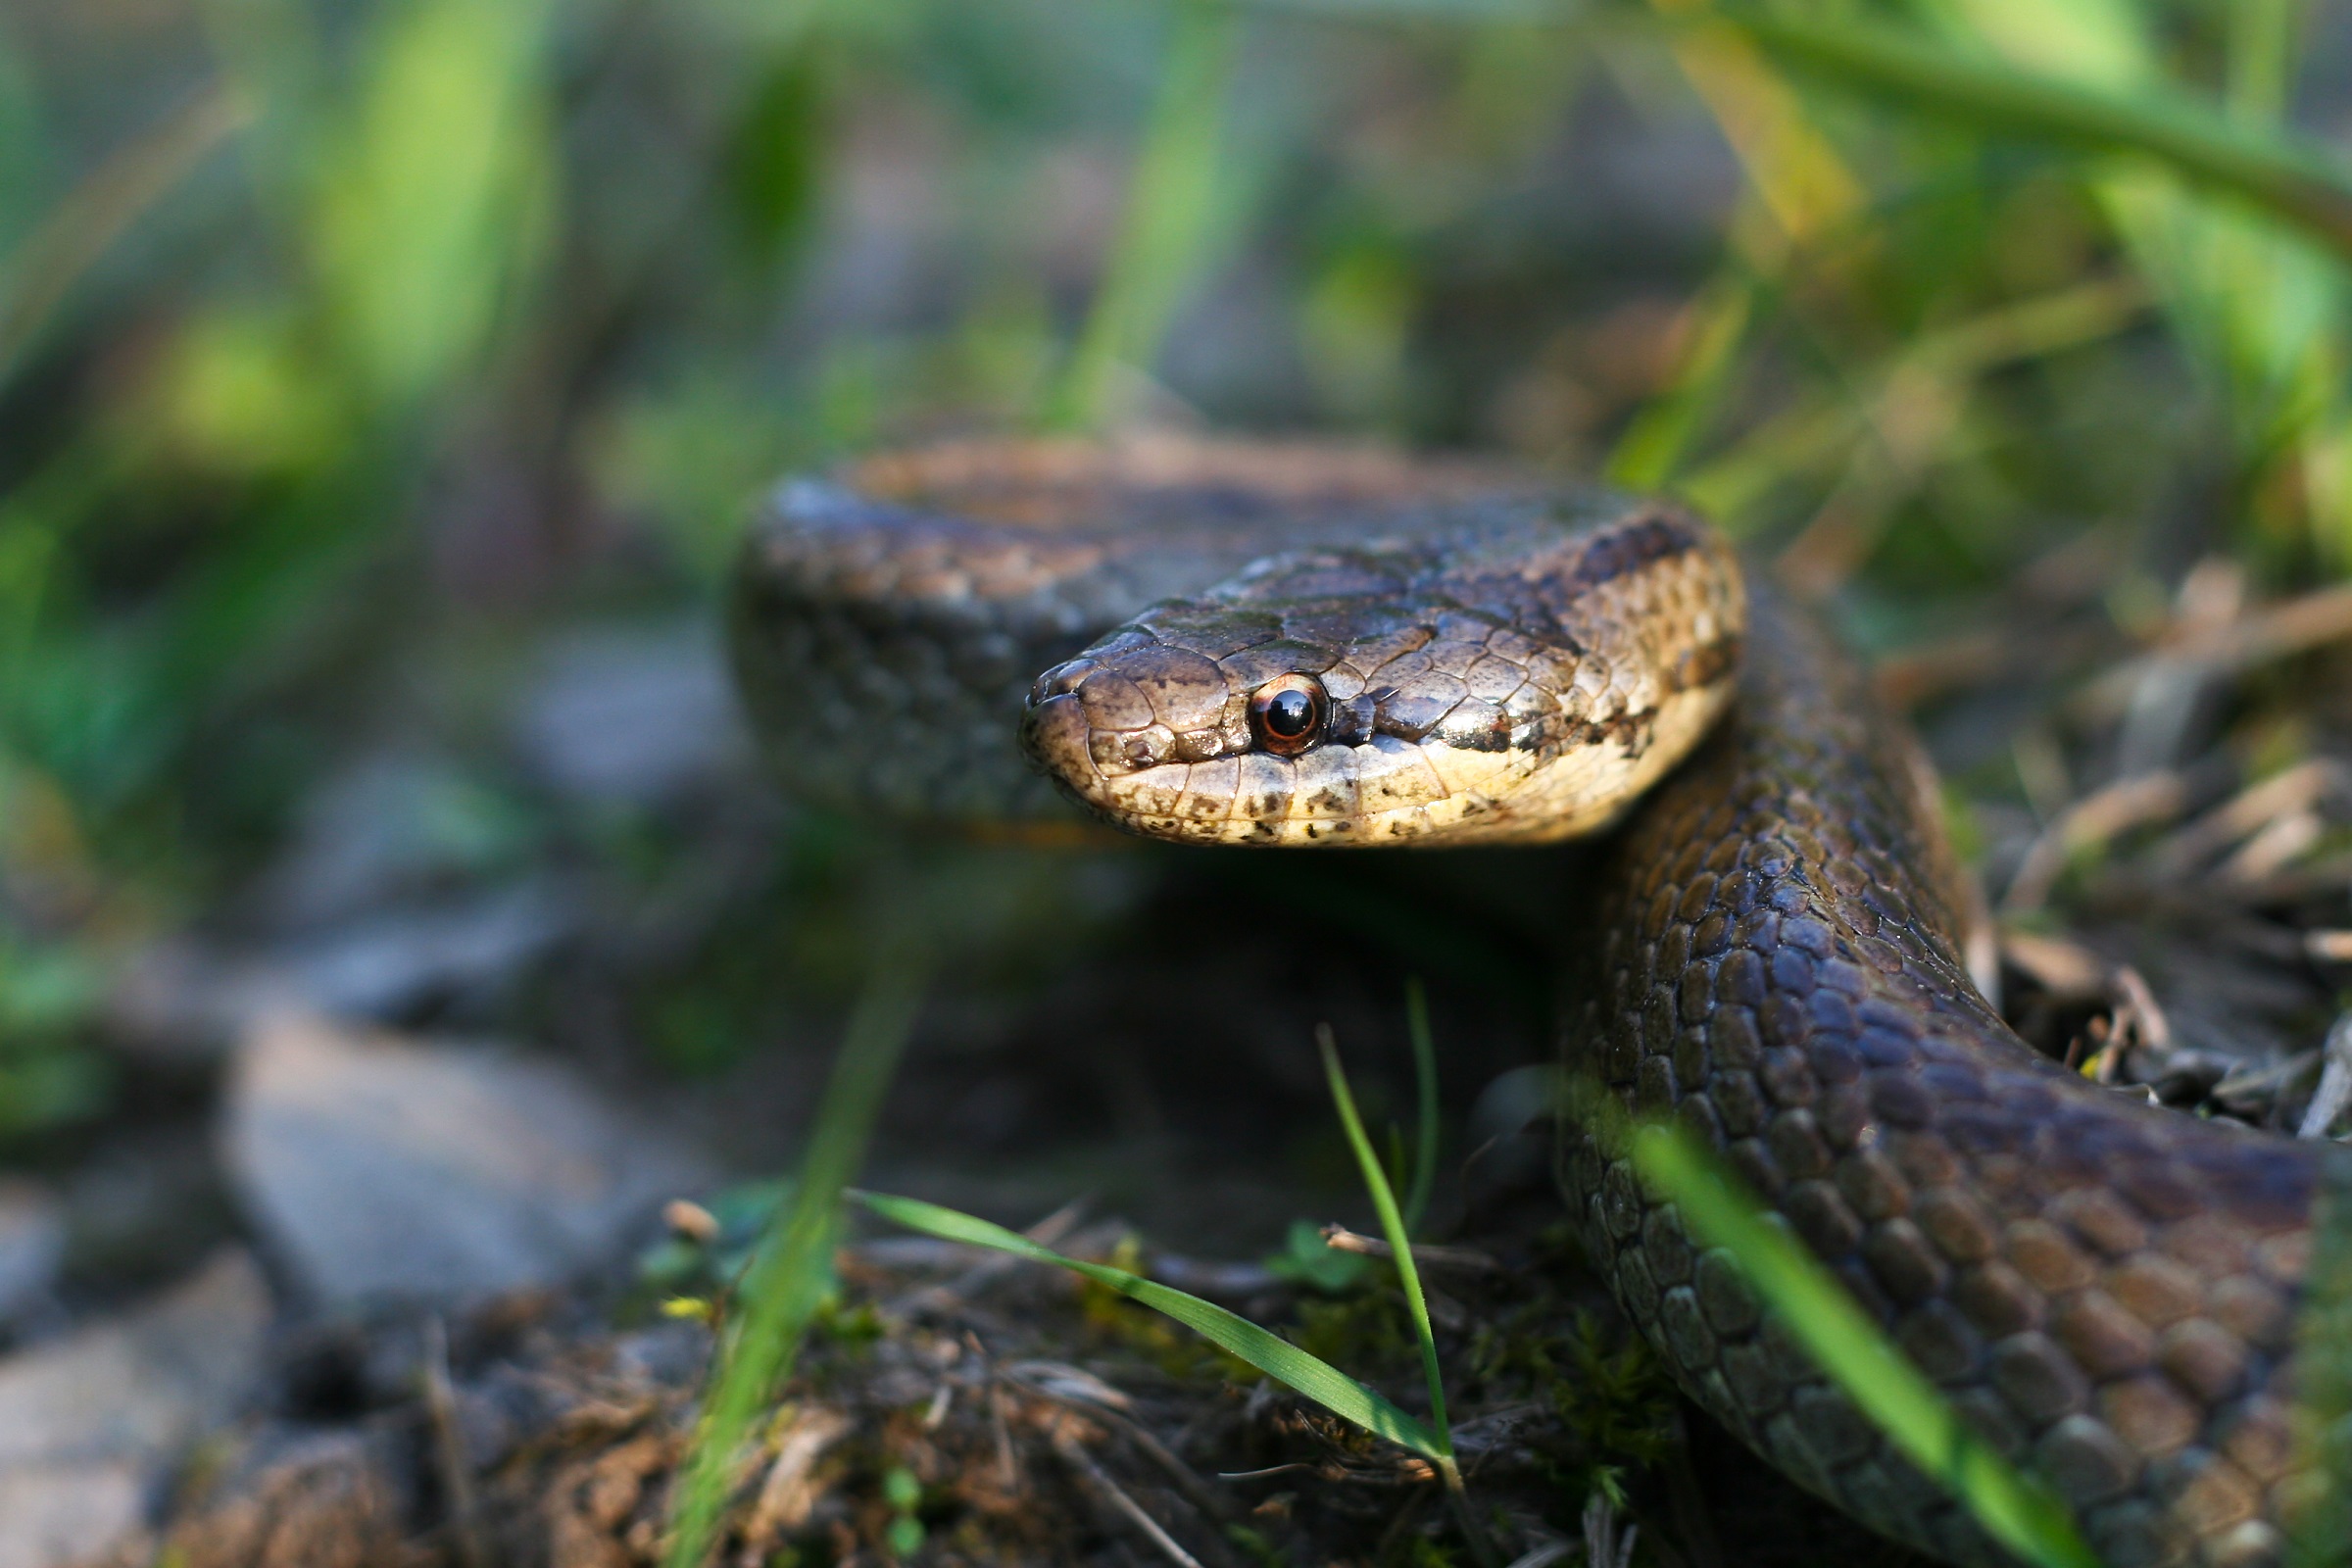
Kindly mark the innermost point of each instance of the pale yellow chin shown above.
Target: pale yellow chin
(1394, 791)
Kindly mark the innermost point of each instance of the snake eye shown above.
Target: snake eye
(1288, 713)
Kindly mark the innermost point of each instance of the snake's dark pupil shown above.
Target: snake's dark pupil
(1290, 714)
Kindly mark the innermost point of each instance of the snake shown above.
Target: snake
(1313, 646)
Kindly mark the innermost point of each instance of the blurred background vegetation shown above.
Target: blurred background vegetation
(346, 348)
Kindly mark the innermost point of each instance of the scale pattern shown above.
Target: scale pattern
(2106, 1290)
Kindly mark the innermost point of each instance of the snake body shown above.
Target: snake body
(2107, 1292)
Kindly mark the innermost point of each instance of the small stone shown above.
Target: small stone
(641, 718)
(51, 1515)
(32, 1244)
(385, 1166)
(88, 1423)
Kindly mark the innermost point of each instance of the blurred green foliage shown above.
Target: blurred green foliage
(324, 327)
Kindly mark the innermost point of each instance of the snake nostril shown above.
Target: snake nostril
(1059, 681)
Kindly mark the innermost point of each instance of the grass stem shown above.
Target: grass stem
(1408, 1277)
(42, 270)
(2319, 1529)
(2292, 177)
(791, 1272)
(1425, 1084)
(1169, 206)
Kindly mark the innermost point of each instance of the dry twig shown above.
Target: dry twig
(1469, 1260)
(449, 1446)
(1074, 1455)
(2335, 1093)
(2091, 822)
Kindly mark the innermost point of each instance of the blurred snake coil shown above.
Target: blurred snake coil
(1292, 644)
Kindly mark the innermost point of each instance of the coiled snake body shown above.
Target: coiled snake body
(1307, 646)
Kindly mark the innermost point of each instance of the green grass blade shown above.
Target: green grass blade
(1271, 1355)
(1408, 1275)
(1425, 1084)
(1846, 1345)
(2296, 178)
(1392, 1225)
(792, 1269)
(2321, 1528)
(40, 273)
(1169, 210)
(1652, 449)
(2264, 38)
(433, 203)
(1819, 434)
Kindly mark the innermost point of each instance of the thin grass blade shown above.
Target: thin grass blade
(1167, 221)
(433, 203)
(1425, 1084)
(1271, 1355)
(2290, 176)
(1408, 1275)
(790, 1274)
(42, 270)
(1651, 451)
(1392, 1225)
(2321, 1530)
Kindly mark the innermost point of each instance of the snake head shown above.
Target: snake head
(1388, 696)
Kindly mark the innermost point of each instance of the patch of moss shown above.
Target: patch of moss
(1367, 1332)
